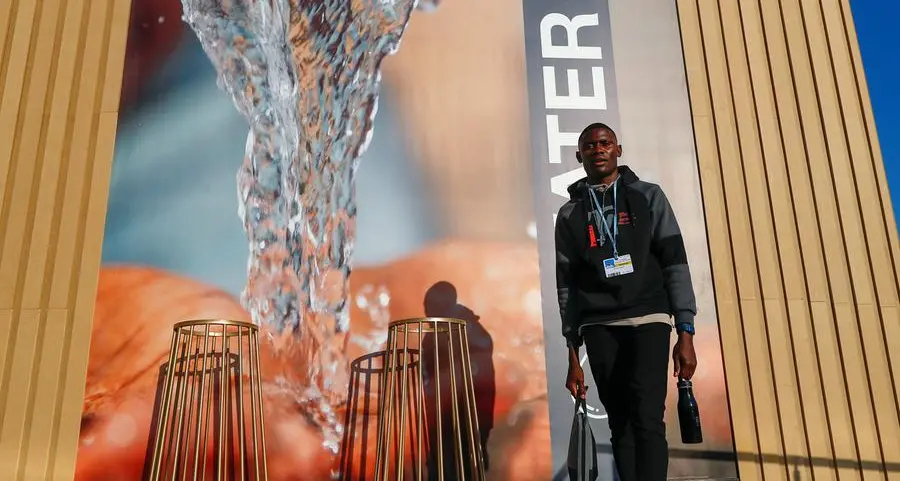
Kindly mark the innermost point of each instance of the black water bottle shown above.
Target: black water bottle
(688, 414)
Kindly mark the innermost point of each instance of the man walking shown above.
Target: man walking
(622, 276)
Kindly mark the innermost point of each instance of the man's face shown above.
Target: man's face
(598, 152)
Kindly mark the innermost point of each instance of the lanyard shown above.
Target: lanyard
(613, 233)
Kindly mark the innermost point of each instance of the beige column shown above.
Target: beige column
(803, 241)
(60, 75)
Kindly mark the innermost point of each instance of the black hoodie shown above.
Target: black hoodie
(647, 231)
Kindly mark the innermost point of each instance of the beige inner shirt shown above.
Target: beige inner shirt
(637, 321)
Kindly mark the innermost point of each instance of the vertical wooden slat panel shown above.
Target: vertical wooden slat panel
(29, 151)
(772, 328)
(116, 43)
(740, 396)
(17, 192)
(874, 252)
(6, 320)
(46, 396)
(862, 163)
(825, 358)
(742, 238)
(847, 258)
(18, 198)
(60, 78)
(80, 149)
(12, 432)
(806, 431)
(8, 12)
(79, 322)
(78, 325)
(807, 218)
(6, 15)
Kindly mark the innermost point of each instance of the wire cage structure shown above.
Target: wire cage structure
(428, 421)
(357, 453)
(209, 418)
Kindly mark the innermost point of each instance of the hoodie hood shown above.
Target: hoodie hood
(578, 188)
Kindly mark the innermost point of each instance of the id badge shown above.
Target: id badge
(618, 266)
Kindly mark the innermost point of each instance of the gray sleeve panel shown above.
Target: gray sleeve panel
(668, 246)
(566, 264)
(681, 293)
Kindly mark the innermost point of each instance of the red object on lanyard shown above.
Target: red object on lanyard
(592, 235)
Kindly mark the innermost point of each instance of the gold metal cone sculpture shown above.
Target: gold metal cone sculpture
(209, 421)
(428, 422)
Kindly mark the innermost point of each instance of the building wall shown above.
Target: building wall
(802, 236)
(803, 240)
(60, 77)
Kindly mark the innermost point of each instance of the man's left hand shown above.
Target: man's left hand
(684, 357)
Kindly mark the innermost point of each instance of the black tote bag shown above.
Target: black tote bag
(582, 459)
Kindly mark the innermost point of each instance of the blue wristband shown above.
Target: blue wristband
(685, 327)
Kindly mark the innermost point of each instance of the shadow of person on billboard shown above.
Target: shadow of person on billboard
(441, 301)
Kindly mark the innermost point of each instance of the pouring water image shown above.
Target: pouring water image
(371, 150)
(306, 76)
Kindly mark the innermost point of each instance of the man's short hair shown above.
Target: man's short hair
(596, 126)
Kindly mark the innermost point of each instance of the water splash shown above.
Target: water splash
(305, 74)
(374, 301)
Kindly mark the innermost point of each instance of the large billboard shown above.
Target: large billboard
(451, 215)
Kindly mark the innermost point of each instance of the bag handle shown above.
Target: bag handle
(581, 405)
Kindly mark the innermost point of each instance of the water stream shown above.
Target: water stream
(306, 76)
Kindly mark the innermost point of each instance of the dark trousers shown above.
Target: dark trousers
(630, 366)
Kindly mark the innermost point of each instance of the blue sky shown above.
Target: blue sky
(878, 29)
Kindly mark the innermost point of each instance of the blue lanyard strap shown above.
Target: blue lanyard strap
(613, 233)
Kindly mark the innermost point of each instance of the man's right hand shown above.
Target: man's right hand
(575, 381)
